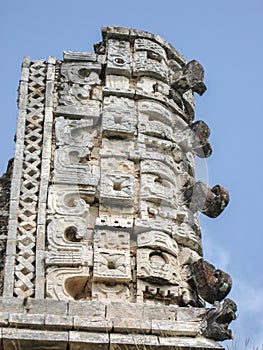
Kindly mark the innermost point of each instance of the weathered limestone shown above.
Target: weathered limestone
(104, 241)
(5, 184)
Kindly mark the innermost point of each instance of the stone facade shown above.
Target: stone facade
(104, 241)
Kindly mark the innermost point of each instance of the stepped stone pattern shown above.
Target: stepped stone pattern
(99, 211)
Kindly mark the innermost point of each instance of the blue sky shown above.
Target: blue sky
(226, 38)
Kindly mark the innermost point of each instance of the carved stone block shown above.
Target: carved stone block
(75, 132)
(163, 170)
(114, 222)
(68, 242)
(150, 210)
(189, 77)
(118, 116)
(115, 209)
(155, 128)
(70, 200)
(79, 56)
(150, 86)
(110, 291)
(133, 341)
(152, 293)
(155, 119)
(153, 50)
(158, 240)
(81, 72)
(74, 94)
(84, 108)
(118, 57)
(112, 256)
(88, 340)
(185, 234)
(114, 148)
(157, 190)
(94, 310)
(164, 327)
(155, 111)
(155, 224)
(149, 66)
(34, 339)
(117, 82)
(67, 283)
(117, 187)
(71, 166)
(78, 80)
(117, 182)
(157, 266)
(156, 147)
(210, 201)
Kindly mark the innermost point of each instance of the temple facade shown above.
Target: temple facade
(99, 211)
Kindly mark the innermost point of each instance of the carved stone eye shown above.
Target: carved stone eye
(77, 287)
(83, 72)
(154, 56)
(158, 258)
(119, 61)
(117, 186)
(158, 180)
(217, 275)
(71, 234)
(111, 265)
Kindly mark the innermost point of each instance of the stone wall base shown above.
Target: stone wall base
(90, 325)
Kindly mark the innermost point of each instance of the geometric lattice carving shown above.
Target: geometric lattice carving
(26, 235)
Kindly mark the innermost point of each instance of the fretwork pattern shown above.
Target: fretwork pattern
(27, 215)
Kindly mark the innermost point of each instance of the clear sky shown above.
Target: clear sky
(225, 36)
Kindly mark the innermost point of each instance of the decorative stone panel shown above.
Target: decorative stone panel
(157, 266)
(118, 116)
(118, 57)
(112, 256)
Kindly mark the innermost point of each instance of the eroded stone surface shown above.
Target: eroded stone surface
(5, 185)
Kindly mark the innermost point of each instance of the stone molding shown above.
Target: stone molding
(31, 324)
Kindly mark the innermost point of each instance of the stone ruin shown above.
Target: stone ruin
(100, 235)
